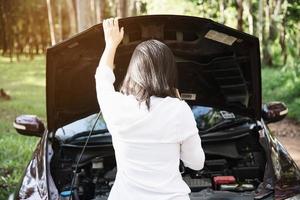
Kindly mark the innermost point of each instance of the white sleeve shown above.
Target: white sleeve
(108, 99)
(105, 79)
(191, 152)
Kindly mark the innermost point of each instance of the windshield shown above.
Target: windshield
(206, 117)
(80, 126)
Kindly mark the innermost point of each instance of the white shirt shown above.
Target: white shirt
(148, 144)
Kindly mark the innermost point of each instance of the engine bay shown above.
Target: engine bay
(233, 167)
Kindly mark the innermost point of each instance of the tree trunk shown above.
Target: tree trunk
(240, 10)
(282, 40)
(133, 8)
(260, 24)
(267, 58)
(272, 13)
(83, 15)
(222, 10)
(248, 8)
(101, 10)
(71, 16)
(282, 37)
(9, 19)
(121, 8)
(100, 7)
(60, 21)
(3, 26)
(51, 23)
(267, 18)
(93, 14)
(273, 30)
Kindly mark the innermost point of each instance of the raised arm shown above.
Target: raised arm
(108, 98)
(113, 36)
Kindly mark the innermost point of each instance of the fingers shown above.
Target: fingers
(116, 22)
(111, 23)
(104, 24)
(113, 35)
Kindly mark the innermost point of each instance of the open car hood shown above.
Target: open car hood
(218, 66)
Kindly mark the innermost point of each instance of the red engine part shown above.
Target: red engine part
(218, 180)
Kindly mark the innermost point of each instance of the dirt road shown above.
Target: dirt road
(288, 133)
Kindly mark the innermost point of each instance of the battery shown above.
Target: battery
(218, 180)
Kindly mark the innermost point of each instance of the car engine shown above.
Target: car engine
(236, 172)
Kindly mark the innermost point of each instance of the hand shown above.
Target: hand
(112, 33)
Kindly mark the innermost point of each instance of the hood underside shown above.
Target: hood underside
(217, 66)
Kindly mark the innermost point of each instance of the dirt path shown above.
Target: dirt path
(288, 133)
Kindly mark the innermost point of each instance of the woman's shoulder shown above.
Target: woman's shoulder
(183, 108)
(180, 105)
(179, 102)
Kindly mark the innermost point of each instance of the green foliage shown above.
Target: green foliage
(293, 11)
(293, 56)
(280, 85)
(25, 83)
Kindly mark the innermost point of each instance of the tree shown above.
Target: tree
(121, 8)
(222, 9)
(240, 10)
(51, 23)
(249, 11)
(101, 7)
(83, 15)
(71, 17)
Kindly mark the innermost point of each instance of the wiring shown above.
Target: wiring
(81, 154)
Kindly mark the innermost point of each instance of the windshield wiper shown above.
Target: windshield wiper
(226, 124)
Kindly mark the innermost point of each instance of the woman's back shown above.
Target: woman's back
(147, 157)
(151, 128)
(148, 143)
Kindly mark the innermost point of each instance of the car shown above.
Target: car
(219, 77)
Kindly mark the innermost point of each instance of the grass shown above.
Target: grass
(279, 85)
(25, 82)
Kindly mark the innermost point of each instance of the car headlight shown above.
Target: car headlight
(297, 197)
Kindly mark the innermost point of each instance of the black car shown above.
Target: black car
(219, 77)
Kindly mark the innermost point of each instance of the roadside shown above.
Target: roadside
(288, 133)
(22, 91)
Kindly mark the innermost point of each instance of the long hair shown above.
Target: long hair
(151, 72)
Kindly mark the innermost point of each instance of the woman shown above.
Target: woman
(151, 127)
